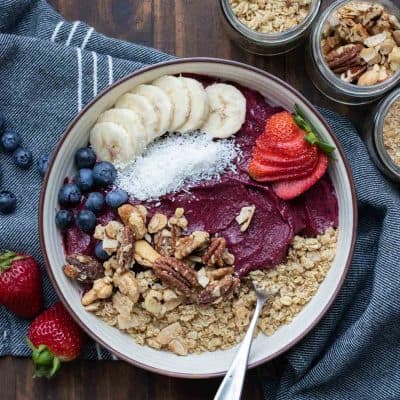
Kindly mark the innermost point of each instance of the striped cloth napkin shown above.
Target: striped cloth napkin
(50, 68)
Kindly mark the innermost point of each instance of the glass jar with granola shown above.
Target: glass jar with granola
(384, 136)
(268, 27)
(354, 51)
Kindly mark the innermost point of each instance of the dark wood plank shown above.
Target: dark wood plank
(185, 28)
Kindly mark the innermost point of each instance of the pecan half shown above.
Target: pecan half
(84, 269)
(188, 244)
(341, 59)
(213, 255)
(125, 250)
(218, 289)
(176, 274)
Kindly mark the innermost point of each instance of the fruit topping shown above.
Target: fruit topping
(86, 221)
(100, 253)
(20, 284)
(85, 157)
(42, 164)
(290, 157)
(289, 189)
(84, 179)
(54, 337)
(227, 110)
(22, 158)
(64, 219)
(104, 174)
(116, 198)
(69, 195)
(10, 141)
(95, 202)
(8, 202)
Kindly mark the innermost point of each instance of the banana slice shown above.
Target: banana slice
(198, 105)
(227, 110)
(161, 103)
(112, 143)
(132, 124)
(143, 108)
(179, 95)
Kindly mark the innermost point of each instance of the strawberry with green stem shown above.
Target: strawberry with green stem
(54, 337)
(20, 284)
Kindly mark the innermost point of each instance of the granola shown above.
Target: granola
(361, 43)
(196, 304)
(391, 132)
(270, 16)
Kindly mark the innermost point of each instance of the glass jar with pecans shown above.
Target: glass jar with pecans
(354, 50)
(268, 27)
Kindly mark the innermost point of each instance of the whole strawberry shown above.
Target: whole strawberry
(20, 284)
(54, 337)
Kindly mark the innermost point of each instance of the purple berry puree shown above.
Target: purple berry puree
(212, 206)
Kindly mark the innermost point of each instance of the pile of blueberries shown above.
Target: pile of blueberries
(11, 142)
(91, 180)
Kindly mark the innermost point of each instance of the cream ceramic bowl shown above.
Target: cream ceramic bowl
(207, 364)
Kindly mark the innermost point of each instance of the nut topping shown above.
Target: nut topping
(135, 218)
(102, 289)
(187, 245)
(144, 254)
(213, 255)
(176, 274)
(157, 223)
(218, 289)
(245, 216)
(84, 269)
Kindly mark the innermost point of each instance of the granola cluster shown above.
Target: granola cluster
(361, 43)
(391, 132)
(175, 291)
(270, 16)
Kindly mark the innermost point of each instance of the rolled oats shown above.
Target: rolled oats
(391, 132)
(270, 16)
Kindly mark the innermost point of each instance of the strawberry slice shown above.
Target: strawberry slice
(269, 173)
(289, 189)
(282, 160)
(281, 126)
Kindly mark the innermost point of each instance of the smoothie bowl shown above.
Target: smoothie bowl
(175, 189)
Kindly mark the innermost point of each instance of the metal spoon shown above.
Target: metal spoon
(232, 385)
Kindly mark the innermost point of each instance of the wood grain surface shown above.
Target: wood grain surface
(185, 28)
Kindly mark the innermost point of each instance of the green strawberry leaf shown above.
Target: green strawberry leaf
(312, 136)
(46, 363)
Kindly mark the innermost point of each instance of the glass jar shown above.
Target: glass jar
(375, 139)
(267, 44)
(326, 81)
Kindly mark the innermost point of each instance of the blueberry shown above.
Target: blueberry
(42, 164)
(116, 198)
(95, 202)
(69, 195)
(85, 157)
(86, 221)
(100, 253)
(22, 158)
(104, 173)
(8, 202)
(84, 179)
(64, 219)
(10, 140)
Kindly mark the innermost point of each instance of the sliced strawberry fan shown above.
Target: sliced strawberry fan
(289, 154)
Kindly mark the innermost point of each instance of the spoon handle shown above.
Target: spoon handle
(232, 385)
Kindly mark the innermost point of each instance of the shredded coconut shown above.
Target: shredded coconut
(175, 162)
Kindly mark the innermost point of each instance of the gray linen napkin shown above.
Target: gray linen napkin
(50, 68)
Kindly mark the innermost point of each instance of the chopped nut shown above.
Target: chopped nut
(202, 278)
(219, 273)
(396, 37)
(144, 254)
(245, 216)
(102, 289)
(157, 223)
(218, 289)
(213, 255)
(127, 285)
(152, 302)
(135, 218)
(84, 269)
(394, 56)
(113, 228)
(169, 333)
(370, 56)
(371, 77)
(373, 41)
(189, 244)
(99, 232)
(178, 346)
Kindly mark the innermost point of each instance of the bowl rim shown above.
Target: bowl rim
(67, 131)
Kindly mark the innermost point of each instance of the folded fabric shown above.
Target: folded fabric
(51, 68)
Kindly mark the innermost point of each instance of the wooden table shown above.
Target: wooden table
(185, 28)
